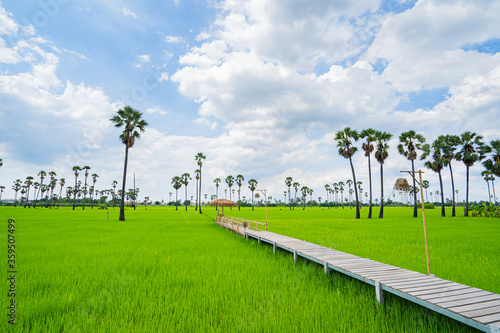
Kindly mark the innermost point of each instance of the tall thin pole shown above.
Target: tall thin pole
(425, 229)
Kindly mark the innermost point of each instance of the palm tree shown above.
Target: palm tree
(28, 182)
(370, 135)
(425, 185)
(132, 123)
(347, 150)
(341, 189)
(296, 186)
(86, 168)
(1, 162)
(381, 154)
(335, 189)
(435, 163)
(450, 145)
(311, 191)
(486, 174)
(53, 184)
(114, 183)
(16, 187)
(42, 175)
(492, 164)
(76, 171)
(409, 142)
(230, 182)
(327, 188)
(197, 173)
(472, 150)
(199, 158)
(288, 183)
(185, 181)
(252, 185)
(349, 183)
(304, 191)
(239, 181)
(94, 180)
(1, 191)
(177, 183)
(217, 181)
(62, 182)
(52, 175)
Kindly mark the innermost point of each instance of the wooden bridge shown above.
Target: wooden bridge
(472, 306)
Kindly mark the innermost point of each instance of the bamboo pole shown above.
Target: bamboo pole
(425, 229)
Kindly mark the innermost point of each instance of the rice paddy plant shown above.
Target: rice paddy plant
(163, 270)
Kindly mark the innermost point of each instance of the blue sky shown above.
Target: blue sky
(259, 86)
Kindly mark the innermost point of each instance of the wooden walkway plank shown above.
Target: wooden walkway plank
(475, 307)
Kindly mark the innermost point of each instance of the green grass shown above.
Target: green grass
(163, 270)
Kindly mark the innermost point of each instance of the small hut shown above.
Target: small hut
(402, 185)
(222, 203)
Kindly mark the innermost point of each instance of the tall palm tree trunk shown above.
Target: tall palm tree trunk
(453, 191)
(355, 188)
(176, 208)
(199, 192)
(186, 202)
(415, 211)
(370, 181)
(289, 199)
(494, 195)
(381, 214)
(196, 195)
(443, 213)
(466, 211)
(122, 202)
(489, 193)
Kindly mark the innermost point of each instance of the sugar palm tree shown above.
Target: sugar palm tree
(472, 150)
(487, 177)
(76, 171)
(347, 150)
(132, 123)
(27, 183)
(288, 183)
(42, 175)
(185, 181)
(239, 181)
(114, 183)
(197, 176)
(1, 191)
(335, 189)
(62, 182)
(230, 183)
(370, 136)
(435, 163)
(16, 187)
(409, 142)
(450, 145)
(52, 186)
(252, 185)
(296, 186)
(425, 185)
(341, 190)
(381, 154)
(492, 164)
(327, 188)
(305, 191)
(86, 168)
(94, 180)
(199, 158)
(310, 192)
(177, 184)
(217, 182)
(349, 183)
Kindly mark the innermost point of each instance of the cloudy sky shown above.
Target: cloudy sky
(259, 86)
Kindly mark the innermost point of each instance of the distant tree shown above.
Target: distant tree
(341, 190)
(239, 181)
(381, 154)
(349, 183)
(94, 180)
(472, 150)
(435, 163)
(370, 136)
(230, 183)
(199, 158)
(42, 175)
(16, 187)
(487, 176)
(347, 150)
(409, 142)
(450, 145)
(114, 183)
(492, 163)
(252, 185)
(327, 189)
(217, 182)
(197, 176)
(132, 123)
(425, 185)
(296, 186)
(76, 171)
(288, 183)
(305, 191)
(185, 181)
(177, 184)
(28, 182)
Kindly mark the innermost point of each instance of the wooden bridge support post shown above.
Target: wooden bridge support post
(259, 240)
(274, 247)
(295, 255)
(379, 292)
(327, 269)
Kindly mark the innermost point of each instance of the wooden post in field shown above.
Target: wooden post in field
(107, 215)
(420, 172)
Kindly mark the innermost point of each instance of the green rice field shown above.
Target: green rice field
(176, 271)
